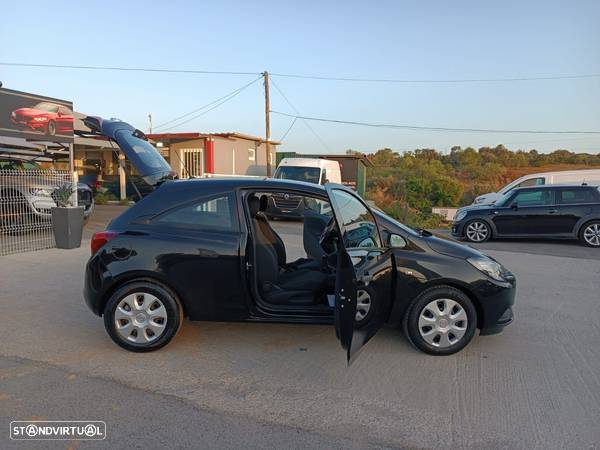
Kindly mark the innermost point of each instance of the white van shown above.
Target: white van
(311, 170)
(588, 176)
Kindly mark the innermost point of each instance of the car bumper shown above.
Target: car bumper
(97, 278)
(457, 229)
(285, 213)
(496, 301)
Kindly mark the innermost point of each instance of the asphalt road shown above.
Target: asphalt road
(277, 385)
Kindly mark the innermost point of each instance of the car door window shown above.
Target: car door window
(532, 182)
(360, 229)
(574, 196)
(533, 198)
(210, 214)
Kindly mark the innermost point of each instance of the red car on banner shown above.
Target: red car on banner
(49, 118)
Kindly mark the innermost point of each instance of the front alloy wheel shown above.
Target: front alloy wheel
(440, 321)
(142, 316)
(590, 235)
(477, 231)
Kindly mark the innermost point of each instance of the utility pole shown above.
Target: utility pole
(150, 120)
(267, 123)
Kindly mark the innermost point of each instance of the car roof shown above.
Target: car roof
(231, 183)
(557, 186)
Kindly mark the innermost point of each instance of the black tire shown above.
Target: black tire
(174, 315)
(51, 129)
(593, 225)
(411, 319)
(478, 223)
(372, 311)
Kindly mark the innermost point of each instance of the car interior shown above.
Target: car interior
(305, 281)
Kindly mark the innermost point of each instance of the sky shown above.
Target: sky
(376, 39)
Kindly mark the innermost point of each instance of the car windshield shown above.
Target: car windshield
(502, 200)
(44, 106)
(380, 214)
(308, 174)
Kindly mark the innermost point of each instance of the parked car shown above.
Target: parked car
(30, 198)
(204, 249)
(555, 211)
(49, 118)
(588, 176)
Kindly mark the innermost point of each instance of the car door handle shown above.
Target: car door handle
(552, 211)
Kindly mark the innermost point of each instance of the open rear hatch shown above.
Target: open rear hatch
(146, 160)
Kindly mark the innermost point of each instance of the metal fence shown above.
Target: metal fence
(26, 200)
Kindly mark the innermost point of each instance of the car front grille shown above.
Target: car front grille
(286, 201)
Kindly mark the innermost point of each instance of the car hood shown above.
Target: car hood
(449, 247)
(473, 207)
(148, 162)
(30, 112)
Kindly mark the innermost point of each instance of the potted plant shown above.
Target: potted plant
(67, 220)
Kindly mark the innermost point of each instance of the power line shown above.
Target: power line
(225, 100)
(426, 128)
(128, 69)
(288, 130)
(433, 80)
(207, 105)
(310, 77)
(319, 138)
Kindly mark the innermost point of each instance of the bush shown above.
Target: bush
(102, 198)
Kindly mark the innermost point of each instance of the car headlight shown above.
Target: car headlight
(489, 267)
(41, 192)
(460, 216)
(40, 119)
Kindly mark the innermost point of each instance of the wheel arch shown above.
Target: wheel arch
(584, 222)
(127, 278)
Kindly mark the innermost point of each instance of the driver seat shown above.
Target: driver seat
(298, 287)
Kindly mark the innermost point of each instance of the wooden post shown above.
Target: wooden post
(267, 123)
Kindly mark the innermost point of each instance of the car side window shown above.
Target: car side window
(532, 182)
(360, 229)
(216, 214)
(574, 196)
(533, 198)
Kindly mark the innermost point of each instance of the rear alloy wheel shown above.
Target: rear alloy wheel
(441, 321)
(142, 316)
(477, 231)
(590, 234)
(51, 130)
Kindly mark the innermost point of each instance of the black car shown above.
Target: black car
(553, 211)
(205, 249)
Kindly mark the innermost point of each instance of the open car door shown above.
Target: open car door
(365, 270)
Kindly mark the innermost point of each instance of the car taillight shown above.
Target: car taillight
(100, 238)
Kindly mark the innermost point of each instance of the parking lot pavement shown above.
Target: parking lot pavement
(136, 418)
(534, 386)
(554, 247)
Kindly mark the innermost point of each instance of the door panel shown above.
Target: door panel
(376, 272)
(531, 212)
(361, 261)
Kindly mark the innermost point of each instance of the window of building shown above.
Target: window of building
(210, 214)
(573, 196)
(193, 161)
(251, 154)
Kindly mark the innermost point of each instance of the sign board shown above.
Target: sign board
(35, 117)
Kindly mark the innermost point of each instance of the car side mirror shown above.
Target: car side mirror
(514, 206)
(397, 241)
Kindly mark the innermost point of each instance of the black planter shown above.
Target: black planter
(67, 224)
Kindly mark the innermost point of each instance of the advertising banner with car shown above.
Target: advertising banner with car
(35, 117)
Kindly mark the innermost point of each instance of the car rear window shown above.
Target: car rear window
(215, 213)
(573, 196)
